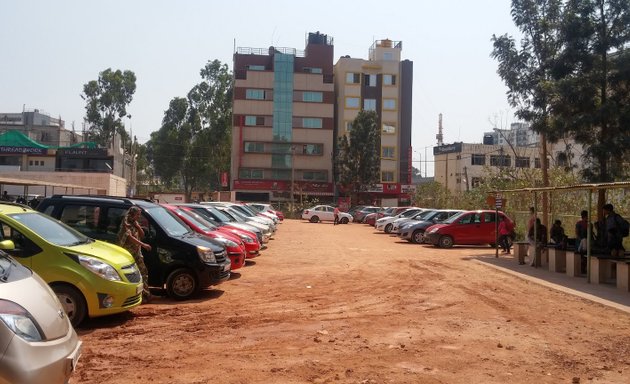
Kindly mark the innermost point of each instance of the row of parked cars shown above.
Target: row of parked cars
(61, 265)
(440, 227)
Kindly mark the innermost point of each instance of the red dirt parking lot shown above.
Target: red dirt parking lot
(343, 304)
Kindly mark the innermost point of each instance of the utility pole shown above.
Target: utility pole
(292, 177)
(466, 178)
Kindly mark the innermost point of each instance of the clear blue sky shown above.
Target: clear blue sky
(51, 48)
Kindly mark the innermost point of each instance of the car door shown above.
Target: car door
(465, 230)
(488, 231)
(328, 213)
(24, 249)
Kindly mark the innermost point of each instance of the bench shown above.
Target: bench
(520, 251)
(558, 256)
(623, 275)
(602, 267)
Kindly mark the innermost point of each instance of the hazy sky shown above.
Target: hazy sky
(49, 49)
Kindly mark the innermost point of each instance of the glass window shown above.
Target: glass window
(388, 56)
(389, 128)
(313, 149)
(352, 78)
(369, 104)
(389, 104)
(489, 217)
(313, 97)
(537, 163)
(313, 70)
(256, 67)
(522, 162)
(251, 146)
(50, 229)
(311, 122)
(250, 120)
(389, 79)
(369, 80)
(387, 176)
(353, 102)
(348, 126)
(314, 175)
(388, 152)
(500, 161)
(255, 94)
(246, 173)
(478, 159)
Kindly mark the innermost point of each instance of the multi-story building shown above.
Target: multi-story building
(383, 83)
(282, 137)
(40, 127)
(519, 135)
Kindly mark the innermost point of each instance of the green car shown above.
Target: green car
(90, 277)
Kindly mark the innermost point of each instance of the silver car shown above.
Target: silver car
(37, 341)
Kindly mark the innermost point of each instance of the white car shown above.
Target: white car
(325, 213)
(386, 223)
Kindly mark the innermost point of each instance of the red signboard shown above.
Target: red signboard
(224, 179)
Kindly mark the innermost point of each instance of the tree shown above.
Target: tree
(528, 72)
(358, 160)
(106, 104)
(434, 195)
(593, 85)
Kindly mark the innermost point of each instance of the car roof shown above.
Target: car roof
(8, 208)
(105, 198)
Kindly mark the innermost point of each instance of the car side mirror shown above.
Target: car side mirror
(7, 245)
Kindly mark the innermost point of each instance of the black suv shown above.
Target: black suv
(180, 260)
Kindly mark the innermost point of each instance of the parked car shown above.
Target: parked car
(237, 216)
(250, 236)
(324, 213)
(180, 261)
(263, 207)
(385, 223)
(370, 219)
(465, 228)
(233, 245)
(422, 215)
(37, 341)
(413, 231)
(360, 214)
(246, 212)
(90, 278)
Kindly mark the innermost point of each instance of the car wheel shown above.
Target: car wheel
(344, 220)
(445, 242)
(72, 302)
(314, 219)
(181, 284)
(388, 228)
(417, 236)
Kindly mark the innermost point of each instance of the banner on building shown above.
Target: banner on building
(224, 179)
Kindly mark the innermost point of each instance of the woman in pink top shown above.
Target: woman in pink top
(336, 213)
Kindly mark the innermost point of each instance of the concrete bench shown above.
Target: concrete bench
(557, 259)
(520, 251)
(603, 268)
(623, 274)
(573, 264)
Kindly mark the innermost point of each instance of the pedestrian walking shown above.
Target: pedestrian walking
(336, 213)
(130, 237)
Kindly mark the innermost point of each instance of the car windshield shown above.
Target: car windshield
(242, 210)
(453, 218)
(426, 215)
(409, 213)
(235, 215)
(197, 220)
(51, 230)
(168, 222)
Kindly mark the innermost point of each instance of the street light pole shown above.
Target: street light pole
(292, 177)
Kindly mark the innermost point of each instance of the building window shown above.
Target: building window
(476, 182)
(311, 122)
(281, 174)
(348, 126)
(353, 78)
(315, 175)
(388, 152)
(246, 173)
(369, 104)
(41, 163)
(500, 161)
(389, 128)
(389, 79)
(389, 104)
(252, 146)
(522, 162)
(30, 162)
(537, 163)
(387, 176)
(313, 70)
(388, 56)
(353, 102)
(313, 149)
(250, 120)
(256, 67)
(313, 97)
(478, 159)
(369, 80)
(255, 94)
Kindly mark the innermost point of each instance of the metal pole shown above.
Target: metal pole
(425, 162)
(292, 177)
(535, 231)
(588, 237)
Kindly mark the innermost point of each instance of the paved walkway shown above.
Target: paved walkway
(605, 294)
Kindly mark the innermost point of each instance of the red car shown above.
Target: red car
(233, 245)
(252, 245)
(466, 228)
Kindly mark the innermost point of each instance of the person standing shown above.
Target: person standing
(539, 241)
(581, 232)
(530, 227)
(614, 231)
(130, 237)
(505, 231)
(336, 213)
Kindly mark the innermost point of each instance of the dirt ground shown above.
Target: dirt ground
(343, 304)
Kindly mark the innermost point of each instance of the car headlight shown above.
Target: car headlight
(434, 230)
(206, 254)
(96, 266)
(226, 242)
(18, 320)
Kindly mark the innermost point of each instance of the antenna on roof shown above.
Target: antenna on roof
(440, 136)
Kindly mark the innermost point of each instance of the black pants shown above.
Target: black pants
(504, 242)
(336, 220)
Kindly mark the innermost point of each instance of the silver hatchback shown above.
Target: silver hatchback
(37, 341)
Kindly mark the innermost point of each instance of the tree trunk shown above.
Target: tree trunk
(544, 163)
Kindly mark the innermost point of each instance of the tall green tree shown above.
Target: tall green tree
(528, 71)
(593, 85)
(358, 159)
(106, 104)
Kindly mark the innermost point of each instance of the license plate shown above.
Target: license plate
(139, 289)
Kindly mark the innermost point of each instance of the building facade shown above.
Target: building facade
(282, 137)
(382, 83)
